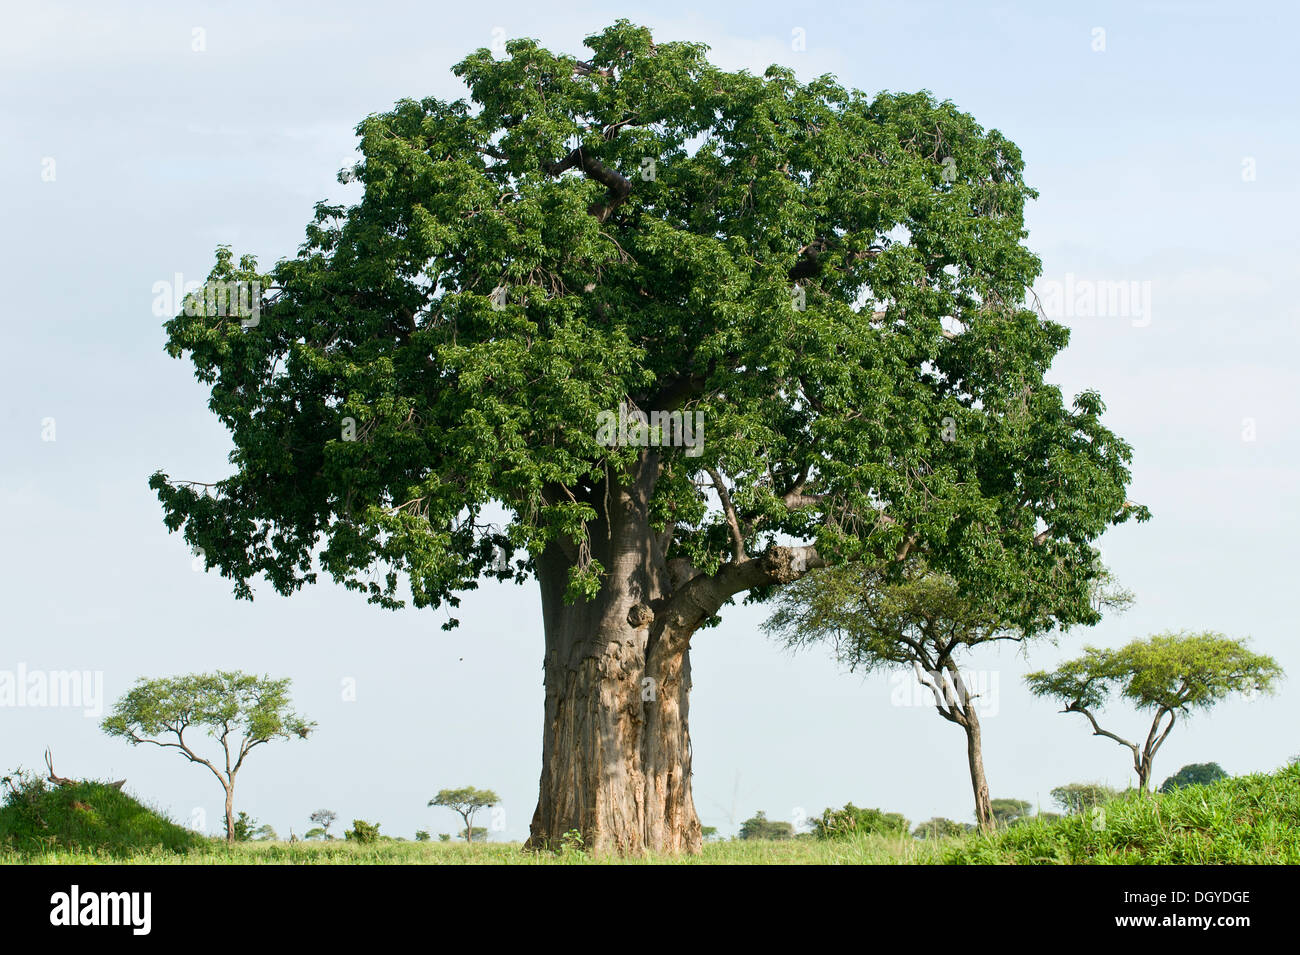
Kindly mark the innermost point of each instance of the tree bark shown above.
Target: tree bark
(616, 752)
(616, 747)
(979, 782)
(230, 814)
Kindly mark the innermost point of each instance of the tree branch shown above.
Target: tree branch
(619, 186)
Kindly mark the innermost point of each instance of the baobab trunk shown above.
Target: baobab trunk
(616, 761)
(616, 752)
(979, 782)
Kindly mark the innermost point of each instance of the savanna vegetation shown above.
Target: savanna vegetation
(831, 286)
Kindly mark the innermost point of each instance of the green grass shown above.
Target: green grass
(86, 818)
(1246, 820)
(865, 850)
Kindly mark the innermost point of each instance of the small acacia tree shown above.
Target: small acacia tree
(834, 283)
(324, 818)
(1166, 675)
(238, 710)
(466, 801)
(874, 619)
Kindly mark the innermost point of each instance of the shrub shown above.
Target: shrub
(760, 827)
(939, 828)
(850, 821)
(362, 831)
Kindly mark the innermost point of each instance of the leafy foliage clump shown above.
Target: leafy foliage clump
(1194, 774)
(759, 826)
(85, 816)
(363, 832)
(1245, 820)
(852, 821)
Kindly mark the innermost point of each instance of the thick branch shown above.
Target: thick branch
(619, 186)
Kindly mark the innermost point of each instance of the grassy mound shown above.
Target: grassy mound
(1248, 820)
(88, 817)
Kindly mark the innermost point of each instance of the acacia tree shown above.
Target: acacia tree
(465, 802)
(1165, 675)
(922, 621)
(833, 283)
(238, 710)
(324, 818)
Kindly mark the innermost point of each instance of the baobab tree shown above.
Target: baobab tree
(827, 287)
(1165, 675)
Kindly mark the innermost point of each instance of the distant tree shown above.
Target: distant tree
(921, 620)
(478, 832)
(1194, 774)
(1166, 674)
(315, 833)
(938, 828)
(324, 818)
(759, 826)
(238, 710)
(1076, 798)
(1007, 811)
(708, 832)
(465, 802)
(265, 833)
(421, 835)
(851, 820)
(444, 837)
(362, 831)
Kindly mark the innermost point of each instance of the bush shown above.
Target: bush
(1246, 820)
(421, 835)
(939, 828)
(245, 827)
(852, 821)
(1194, 774)
(760, 827)
(362, 831)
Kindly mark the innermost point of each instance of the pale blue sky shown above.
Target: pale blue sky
(160, 152)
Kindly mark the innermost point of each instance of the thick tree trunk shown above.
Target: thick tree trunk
(979, 782)
(616, 747)
(616, 762)
(616, 752)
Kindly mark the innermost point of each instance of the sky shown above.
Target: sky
(135, 137)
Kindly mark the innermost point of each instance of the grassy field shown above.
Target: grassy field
(1245, 820)
(870, 850)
